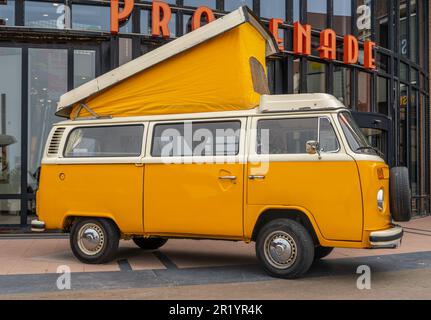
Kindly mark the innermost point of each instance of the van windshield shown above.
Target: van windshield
(356, 139)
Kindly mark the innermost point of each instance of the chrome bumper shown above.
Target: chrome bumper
(386, 239)
(37, 226)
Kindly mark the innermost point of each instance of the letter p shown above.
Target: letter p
(117, 17)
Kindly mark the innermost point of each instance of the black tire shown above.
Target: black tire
(322, 252)
(300, 257)
(149, 243)
(105, 250)
(400, 194)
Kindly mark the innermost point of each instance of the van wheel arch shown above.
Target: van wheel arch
(70, 220)
(290, 214)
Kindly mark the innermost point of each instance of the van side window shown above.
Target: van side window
(285, 136)
(327, 137)
(196, 139)
(105, 141)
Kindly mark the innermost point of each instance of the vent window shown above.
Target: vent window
(55, 142)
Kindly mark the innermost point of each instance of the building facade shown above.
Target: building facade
(48, 47)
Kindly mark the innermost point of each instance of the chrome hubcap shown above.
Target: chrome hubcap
(280, 250)
(91, 239)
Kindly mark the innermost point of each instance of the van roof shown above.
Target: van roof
(171, 49)
(270, 104)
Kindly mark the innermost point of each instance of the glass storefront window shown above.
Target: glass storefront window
(342, 87)
(363, 19)
(273, 9)
(230, 5)
(364, 92)
(413, 130)
(7, 13)
(47, 81)
(382, 23)
(10, 121)
(198, 3)
(342, 17)
(296, 10)
(84, 66)
(382, 95)
(413, 31)
(44, 14)
(404, 72)
(317, 13)
(124, 50)
(10, 212)
(316, 77)
(145, 22)
(402, 125)
(404, 47)
(296, 76)
(90, 18)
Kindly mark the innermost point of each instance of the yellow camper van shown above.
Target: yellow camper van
(295, 175)
(187, 142)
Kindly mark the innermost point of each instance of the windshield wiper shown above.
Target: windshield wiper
(371, 148)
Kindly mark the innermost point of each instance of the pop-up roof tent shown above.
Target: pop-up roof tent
(219, 66)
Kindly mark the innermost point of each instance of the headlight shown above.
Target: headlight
(380, 199)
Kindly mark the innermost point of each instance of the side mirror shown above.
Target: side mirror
(313, 147)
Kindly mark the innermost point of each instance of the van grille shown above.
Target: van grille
(55, 142)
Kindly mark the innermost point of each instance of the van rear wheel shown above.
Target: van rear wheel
(94, 241)
(285, 249)
(149, 243)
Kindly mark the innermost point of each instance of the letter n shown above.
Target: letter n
(301, 39)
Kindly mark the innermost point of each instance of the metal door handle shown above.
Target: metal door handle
(256, 177)
(232, 178)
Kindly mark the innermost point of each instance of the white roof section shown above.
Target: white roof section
(181, 44)
(299, 102)
(272, 104)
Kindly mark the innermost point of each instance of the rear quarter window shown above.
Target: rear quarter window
(105, 141)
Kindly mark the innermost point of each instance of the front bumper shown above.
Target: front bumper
(37, 226)
(387, 239)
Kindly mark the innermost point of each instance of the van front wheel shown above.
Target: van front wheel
(285, 249)
(149, 243)
(94, 241)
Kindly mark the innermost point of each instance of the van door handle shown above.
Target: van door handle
(256, 177)
(231, 178)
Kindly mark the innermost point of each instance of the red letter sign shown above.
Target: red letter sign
(369, 61)
(161, 9)
(301, 39)
(328, 45)
(351, 49)
(273, 28)
(196, 19)
(118, 17)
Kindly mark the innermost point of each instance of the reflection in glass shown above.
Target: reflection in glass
(382, 23)
(84, 66)
(90, 18)
(363, 20)
(342, 17)
(296, 76)
(364, 92)
(404, 47)
(124, 50)
(198, 3)
(382, 95)
(402, 125)
(47, 80)
(7, 13)
(273, 9)
(44, 15)
(413, 141)
(413, 32)
(342, 88)
(317, 13)
(230, 5)
(10, 212)
(10, 120)
(316, 77)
